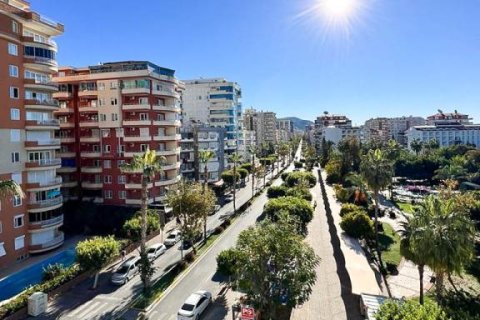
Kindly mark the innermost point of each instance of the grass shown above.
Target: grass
(406, 207)
(389, 242)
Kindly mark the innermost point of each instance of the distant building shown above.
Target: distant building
(333, 128)
(447, 129)
(264, 123)
(285, 130)
(246, 140)
(381, 130)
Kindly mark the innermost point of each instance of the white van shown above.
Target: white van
(126, 271)
(155, 251)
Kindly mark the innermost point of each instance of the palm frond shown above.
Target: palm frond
(10, 188)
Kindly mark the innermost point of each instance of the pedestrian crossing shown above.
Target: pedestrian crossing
(161, 316)
(99, 308)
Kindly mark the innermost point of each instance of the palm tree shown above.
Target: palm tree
(416, 146)
(205, 156)
(10, 188)
(253, 150)
(359, 185)
(377, 171)
(446, 239)
(411, 246)
(148, 165)
(235, 159)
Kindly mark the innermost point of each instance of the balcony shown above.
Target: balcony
(48, 223)
(49, 124)
(137, 122)
(42, 144)
(43, 163)
(90, 139)
(171, 166)
(135, 185)
(135, 90)
(41, 104)
(171, 137)
(62, 95)
(67, 170)
(167, 182)
(63, 110)
(86, 169)
(139, 138)
(67, 124)
(136, 106)
(166, 92)
(90, 154)
(67, 139)
(168, 152)
(138, 201)
(44, 185)
(88, 108)
(52, 244)
(45, 205)
(88, 123)
(48, 64)
(171, 108)
(66, 154)
(88, 93)
(175, 123)
(48, 42)
(69, 184)
(92, 185)
(41, 85)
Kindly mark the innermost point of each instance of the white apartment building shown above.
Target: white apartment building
(323, 128)
(383, 129)
(337, 134)
(264, 123)
(285, 130)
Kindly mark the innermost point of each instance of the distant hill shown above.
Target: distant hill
(298, 124)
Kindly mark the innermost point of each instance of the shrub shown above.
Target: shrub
(226, 262)
(411, 310)
(284, 175)
(229, 178)
(218, 230)
(348, 207)
(243, 173)
(294, 178)
(247, 166)
(190, 257)
(343, 194)
(298, 164)
(333, 178)
(295, 207)
(277, 191)
(52, 271)
(302, 193)
(132, 227)
(357, 224)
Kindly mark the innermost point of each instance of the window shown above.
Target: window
(14, 26)
(17, 177)
(18, 221)
(12, 71)
(113, 85)
(19, 242)
(12, 49)
(14, 135)
(16, 201)
(106, 148)
(14, 93)
(2, 249)
(143, 116)
(107, 164)
(15, 157)
(108, 194)
(113, 101)
(120, 162)
(107, 179)
(1, 227)
(143, 147)
(14, 114)
(114, 117)
(121, 179)
(122, 194)
(103, 117)
(101, 86)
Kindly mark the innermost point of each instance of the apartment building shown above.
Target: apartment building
(384, 129)
(331, 121)
(285, 130)
(196, 138)
(264, 123)
(109, 113)
(447, 129)
(246, 140)
(215, 102)
(27, 133)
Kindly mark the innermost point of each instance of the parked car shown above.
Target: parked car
(215, 209)
(173, 238)
(155, 251)
(195, 305)
(126, 271)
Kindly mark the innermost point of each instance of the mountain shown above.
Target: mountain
(298, 124)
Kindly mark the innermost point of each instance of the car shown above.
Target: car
(126, 271)
(173, 238)
(228, 197)
(195, 305)
(215, 209)
(155, 251)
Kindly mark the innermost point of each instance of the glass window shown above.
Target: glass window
(14, 114)
(14, 26)
(19, 242)
(108, 194)
(14, 93)
(13, 71)
(17, 201)
(12, 49)
(14, 135)
(15, 157)
(122, 194)
(107, 164)
(18, 221)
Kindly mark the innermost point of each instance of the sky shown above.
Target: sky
(386, 58)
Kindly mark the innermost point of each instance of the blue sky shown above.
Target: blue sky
(397, 57)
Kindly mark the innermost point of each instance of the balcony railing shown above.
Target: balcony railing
(42, 60)
(38, 143)
(44, 102)
(47, 222)
(47, 122)
(55, 242)
(46, 203)
(41, 184)
(43, 162)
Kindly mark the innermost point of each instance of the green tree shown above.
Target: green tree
(410, 310)
(297, 208)
(93, 254)
(204, 156)
(132, 228)
(377, 172)
(277, 191)
(149, 165)
(10, 188)
(227, 262)
(357, 224)
(296, 178)
(270, 271)
(416, 146)
(190, 203)
(253, 151)
(235, 159)
(243, 173)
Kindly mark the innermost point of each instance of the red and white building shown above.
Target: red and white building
(108, 113)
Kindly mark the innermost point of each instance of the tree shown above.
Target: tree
(410, 310)
(253, 151)
(295, 207)
(229, 178)
(149, 165)
(446, 237)
(190, 203)
(227, 262)
(272, 272)
(277, 191)
(357, 224)
(295, 178)
(235, 159)
(243, 173)
(10, 188)
(259, 173)
(283, 151)
(359, 186)
(377, 172)
(204, 156)
(132, 228)
(416, 146)
(93, 254)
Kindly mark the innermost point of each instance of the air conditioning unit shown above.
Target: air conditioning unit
(37, 303)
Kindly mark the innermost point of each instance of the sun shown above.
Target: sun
(337, 9)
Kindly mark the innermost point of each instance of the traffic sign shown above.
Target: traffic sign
(248, 313)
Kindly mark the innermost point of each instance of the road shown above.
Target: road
(202, 275)
(108, 301)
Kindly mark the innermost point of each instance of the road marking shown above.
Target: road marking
(84, 311)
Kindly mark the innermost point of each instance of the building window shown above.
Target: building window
(120, 163)
(108, 194)
(2, 249)
(107, 179)
(107, 164)
(121, 179)
(12, 49)
(143, 147)
(113, 85)
(18, 221)
(14, 135)
(19, 242)
(16, 201)
(14, 93)
(17, 177)
(101, 86)
(114, 117)
(122, 194)
(113, 101)
(103, 117)
(106, 148)
(1, 227)
(12, 71)
(143, 116)
(14, 26)
(14, 114)
(15, 157)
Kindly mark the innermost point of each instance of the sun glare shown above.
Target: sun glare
(337, 8)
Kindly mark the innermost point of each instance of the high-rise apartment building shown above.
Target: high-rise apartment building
(27, 133)
(332, 121)
(264, 123)
(284, 130)
(109, 113)
(381, 130)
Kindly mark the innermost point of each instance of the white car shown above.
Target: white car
(155, 251)
(194, 306)
(173, 238)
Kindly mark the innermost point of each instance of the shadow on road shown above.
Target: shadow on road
(218, 310)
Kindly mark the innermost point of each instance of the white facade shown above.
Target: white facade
(337, 134)
(445, 135)
(246, 140)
